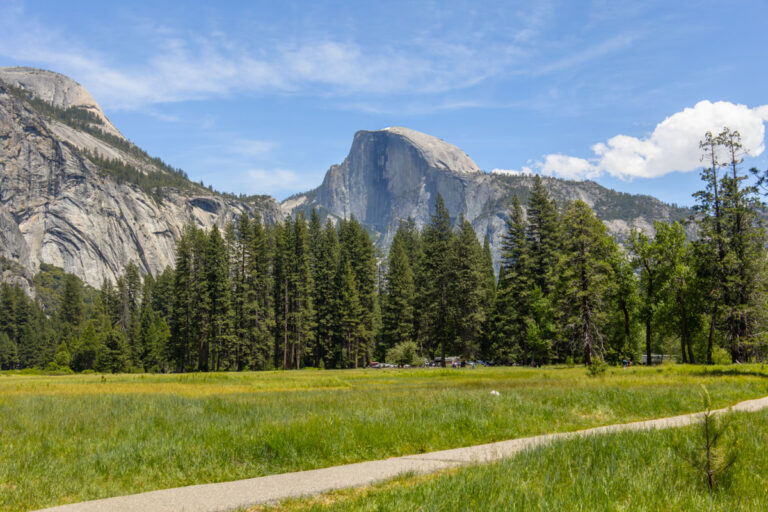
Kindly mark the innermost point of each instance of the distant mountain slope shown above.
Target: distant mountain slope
(396, 173)
(75, 193)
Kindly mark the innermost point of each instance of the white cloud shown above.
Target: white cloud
(569, 167)
(762, 112)
(673, 145)
(524, 171)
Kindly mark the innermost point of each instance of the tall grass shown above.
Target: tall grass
(72, 438)
(634, 471)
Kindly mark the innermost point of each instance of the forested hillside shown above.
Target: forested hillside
(300, 293)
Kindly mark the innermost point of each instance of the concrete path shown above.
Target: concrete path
(274, 488)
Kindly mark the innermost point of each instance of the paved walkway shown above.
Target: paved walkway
(274, 488)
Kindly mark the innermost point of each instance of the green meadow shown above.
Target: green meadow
(71, 438)
(633, 471)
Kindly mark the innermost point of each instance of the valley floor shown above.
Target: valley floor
(73, 438)
(637, 471)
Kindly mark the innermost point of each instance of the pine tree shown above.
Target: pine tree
(301, 275)
(357, 248)
(437, 278)
(84, 353)
(282, 290)
(490, 297)
(326, 295)
(184, 317)
(112, 356)
(516, 283)
(489, 275)
(744, 265)
(468, 290)
(542, 237)
(109, 299)
(366, 273)
(710, 247)
(214, 348)
(260, 313)
(413, 242)
(399, 295)
(9, 353)
(584, 278)
(238, 242)
(349, 313)
(71, 310)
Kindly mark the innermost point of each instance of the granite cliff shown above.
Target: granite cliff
(396, 173)
(75, 193)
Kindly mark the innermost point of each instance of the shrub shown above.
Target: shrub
(404, 353)
(597, 367)
(721, 356)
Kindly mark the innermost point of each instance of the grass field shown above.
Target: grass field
(71, 438)
(628, 471)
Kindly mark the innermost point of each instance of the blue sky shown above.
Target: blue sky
(262, 97)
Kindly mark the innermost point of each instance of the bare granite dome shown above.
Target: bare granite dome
(438, 153)
(58, 90)
(392, 174)
(58, 206)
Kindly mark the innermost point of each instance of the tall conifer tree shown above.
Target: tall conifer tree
(437, 278)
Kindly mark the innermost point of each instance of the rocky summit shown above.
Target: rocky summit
(75, 193)
(396, 173)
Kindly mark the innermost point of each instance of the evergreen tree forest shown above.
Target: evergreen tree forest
(314, 293)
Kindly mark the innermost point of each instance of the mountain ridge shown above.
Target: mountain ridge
(388, 177)
(81, 198)
(76, 193)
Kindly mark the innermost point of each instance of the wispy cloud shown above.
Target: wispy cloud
(583, 56)
(202, 66)
(275, 181)
(174, 65)
(251, 147)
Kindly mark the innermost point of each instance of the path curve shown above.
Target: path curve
(274, 488)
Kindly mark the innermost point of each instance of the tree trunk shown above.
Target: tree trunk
(627, 325)
(349, 346)
(710, 341)
(285, 330)
(648, 340)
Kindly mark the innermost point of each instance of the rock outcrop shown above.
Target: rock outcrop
(64, 202)
(57, 206)
(57, 90)
(396, 173)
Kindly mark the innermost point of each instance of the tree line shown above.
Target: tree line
(303, 293)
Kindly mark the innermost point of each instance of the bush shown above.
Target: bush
(721, 356)
(404, 353)
(597, 367)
